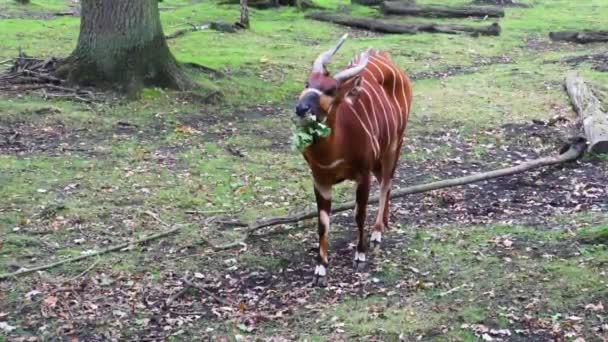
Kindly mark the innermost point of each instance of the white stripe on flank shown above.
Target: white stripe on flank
(392, 113)
(374, 114)
(404, 111)
(395, 72)
(388, 128)
(375, 135)
(377, 126)
(371, 128)
(371, 62)
(371, 139)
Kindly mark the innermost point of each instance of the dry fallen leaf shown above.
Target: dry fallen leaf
(599, 307)
(185, 129)
(50, 302)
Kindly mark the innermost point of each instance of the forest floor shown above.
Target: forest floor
(521, 258)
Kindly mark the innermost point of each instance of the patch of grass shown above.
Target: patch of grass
(266, 262)
(378, 317)
(594, 235)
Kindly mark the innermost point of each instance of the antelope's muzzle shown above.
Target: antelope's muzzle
(308, 105)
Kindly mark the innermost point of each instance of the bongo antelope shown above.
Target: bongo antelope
(366, 105)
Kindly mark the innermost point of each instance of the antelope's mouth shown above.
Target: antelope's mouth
(306, 119)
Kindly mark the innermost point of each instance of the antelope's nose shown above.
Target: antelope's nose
(302, 109)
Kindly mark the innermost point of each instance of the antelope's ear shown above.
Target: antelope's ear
(355, 88)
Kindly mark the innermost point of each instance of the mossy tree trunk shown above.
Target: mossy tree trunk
(244, 14)
(122, 44)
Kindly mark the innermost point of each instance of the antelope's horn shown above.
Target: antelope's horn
(350, 72)
(325, 57)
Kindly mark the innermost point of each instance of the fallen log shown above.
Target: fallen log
(570, 152)
(379, 2)
(580, 37)
(504, 3)
(591, 117)
(266, 4)
(390, 27)
(434, 11)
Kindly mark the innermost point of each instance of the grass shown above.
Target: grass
(83, 181)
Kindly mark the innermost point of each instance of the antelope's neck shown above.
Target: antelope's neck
(326, 152)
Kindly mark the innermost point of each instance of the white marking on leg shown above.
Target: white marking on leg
(359, 257)
(325, 191)
(320, 271)
(324, 218)
(384, 187)
(376, 236)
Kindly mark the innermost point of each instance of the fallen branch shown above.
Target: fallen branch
(592, 119)
(580, 37)
(599, 61)
(192, 28)
(86, 256)
(100, 252)
(572, 152)
(398, 8)
(390, 27)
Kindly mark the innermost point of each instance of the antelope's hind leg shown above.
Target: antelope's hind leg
(362, 197)
(323, 197)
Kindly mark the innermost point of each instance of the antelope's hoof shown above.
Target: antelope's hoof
(360, 262)
(375, 241)
(319, 281)
(320, 277)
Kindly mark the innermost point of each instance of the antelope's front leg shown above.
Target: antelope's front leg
(323, 197)
(362, 197)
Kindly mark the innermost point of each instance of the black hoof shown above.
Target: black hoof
(359, 266)
(319, 281)
(375, 246)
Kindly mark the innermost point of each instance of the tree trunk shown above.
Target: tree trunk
(244, 14)
(122, 44)
(592, 118)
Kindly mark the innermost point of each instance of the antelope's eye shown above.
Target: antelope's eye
(332, 91)
(306, 85)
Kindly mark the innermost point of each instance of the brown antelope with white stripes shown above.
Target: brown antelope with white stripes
(366, 106)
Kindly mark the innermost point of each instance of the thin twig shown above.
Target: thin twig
(443, 294)
(179, 293)
(206, 212)
(208, 293)
(87, 270)
(114, 248)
